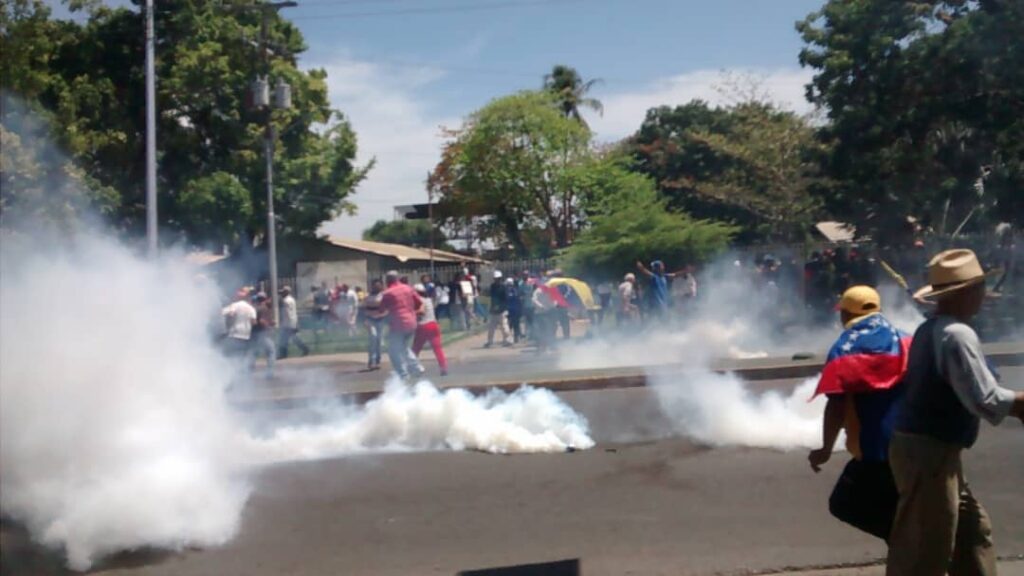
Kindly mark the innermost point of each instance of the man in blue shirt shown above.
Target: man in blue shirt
(657, 295)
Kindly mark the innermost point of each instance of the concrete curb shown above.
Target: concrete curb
(1001, 355)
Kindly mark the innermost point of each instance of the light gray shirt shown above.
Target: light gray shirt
(428, 312)
(289, 313)
(962, 363)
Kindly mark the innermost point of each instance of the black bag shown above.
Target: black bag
(865, 497)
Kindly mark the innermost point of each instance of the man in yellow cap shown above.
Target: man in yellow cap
(862, 379)
(940, 527)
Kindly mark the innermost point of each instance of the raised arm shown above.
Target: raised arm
(643, 269)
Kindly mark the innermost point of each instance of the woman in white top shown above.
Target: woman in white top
(428, 330)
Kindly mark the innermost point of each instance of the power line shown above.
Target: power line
(446, 9)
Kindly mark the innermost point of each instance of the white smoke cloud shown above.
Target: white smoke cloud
(115, 431)
(424, 418)
(721, 410)
(736, 317)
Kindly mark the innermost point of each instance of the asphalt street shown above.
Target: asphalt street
(641, 502)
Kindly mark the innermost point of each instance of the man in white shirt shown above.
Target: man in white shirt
(289, 314)
(627, 300)
(239, 318)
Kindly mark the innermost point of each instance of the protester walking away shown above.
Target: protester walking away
(498, 312)
(545, 308)
(604, 294)
(442, 302)
(401, 303)
(289, 331)
(467, 287)
(862, 379)
(263, 331)
(346, 307)
(321, 307)
(373, 322)
(428, 330)
(239, 318)
(514, 302)
(627, 309)
(525, 289)
(456, 304)
(940, 527)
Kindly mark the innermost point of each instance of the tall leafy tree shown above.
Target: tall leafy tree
(922, 98)
(505, 165)
(88, 82)
(750, 163)
(628, 221)
(571, 91)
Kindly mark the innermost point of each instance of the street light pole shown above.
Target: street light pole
(281, 99)
(430, 219)
(151, 221)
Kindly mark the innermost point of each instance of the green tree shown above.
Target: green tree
(922, 98)
(216, 208)
(571, 92)
(505, 166)
(750, 163)
(630, 222)
(88, 79)
(408, 232)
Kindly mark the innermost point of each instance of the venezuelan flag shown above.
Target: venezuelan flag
(869, 355)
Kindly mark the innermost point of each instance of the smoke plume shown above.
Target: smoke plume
(115, 432)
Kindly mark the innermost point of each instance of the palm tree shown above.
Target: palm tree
(571, 90)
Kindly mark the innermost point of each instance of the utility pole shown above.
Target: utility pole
(430, 219)
(282, 100)
(151, 221)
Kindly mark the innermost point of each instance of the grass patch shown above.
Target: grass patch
(334, 341)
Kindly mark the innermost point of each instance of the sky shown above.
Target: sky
(400, 70)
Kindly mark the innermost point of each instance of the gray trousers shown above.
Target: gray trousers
(403, 361)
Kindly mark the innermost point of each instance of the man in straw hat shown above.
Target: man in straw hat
(940, 527)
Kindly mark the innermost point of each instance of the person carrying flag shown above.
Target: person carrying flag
(862, 379)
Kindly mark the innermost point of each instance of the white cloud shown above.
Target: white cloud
(393, 126)
(625, 111)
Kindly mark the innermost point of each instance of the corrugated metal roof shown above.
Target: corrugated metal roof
(401, 252)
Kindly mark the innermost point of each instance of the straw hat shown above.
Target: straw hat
(952, 270)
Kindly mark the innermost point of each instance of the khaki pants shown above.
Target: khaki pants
(939, 526)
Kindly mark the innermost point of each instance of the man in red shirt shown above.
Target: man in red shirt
(401, 303)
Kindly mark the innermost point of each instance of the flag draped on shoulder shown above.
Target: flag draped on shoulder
(869, 355)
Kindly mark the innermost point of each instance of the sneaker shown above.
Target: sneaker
(444, 372)
(488, 345)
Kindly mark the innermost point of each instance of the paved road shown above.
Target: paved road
(636, 504)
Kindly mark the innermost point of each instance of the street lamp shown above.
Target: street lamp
(151, 227)
(282, 101)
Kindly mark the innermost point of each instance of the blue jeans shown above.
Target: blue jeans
(375, 331)
(403, 361)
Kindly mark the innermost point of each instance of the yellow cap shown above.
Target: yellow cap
(860, 301)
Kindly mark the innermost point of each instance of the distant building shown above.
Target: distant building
(303, 263)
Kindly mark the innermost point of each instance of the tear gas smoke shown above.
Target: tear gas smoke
(733, 318)
(425, 418)
(115, 432)
(721, 410)
(113, 429)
